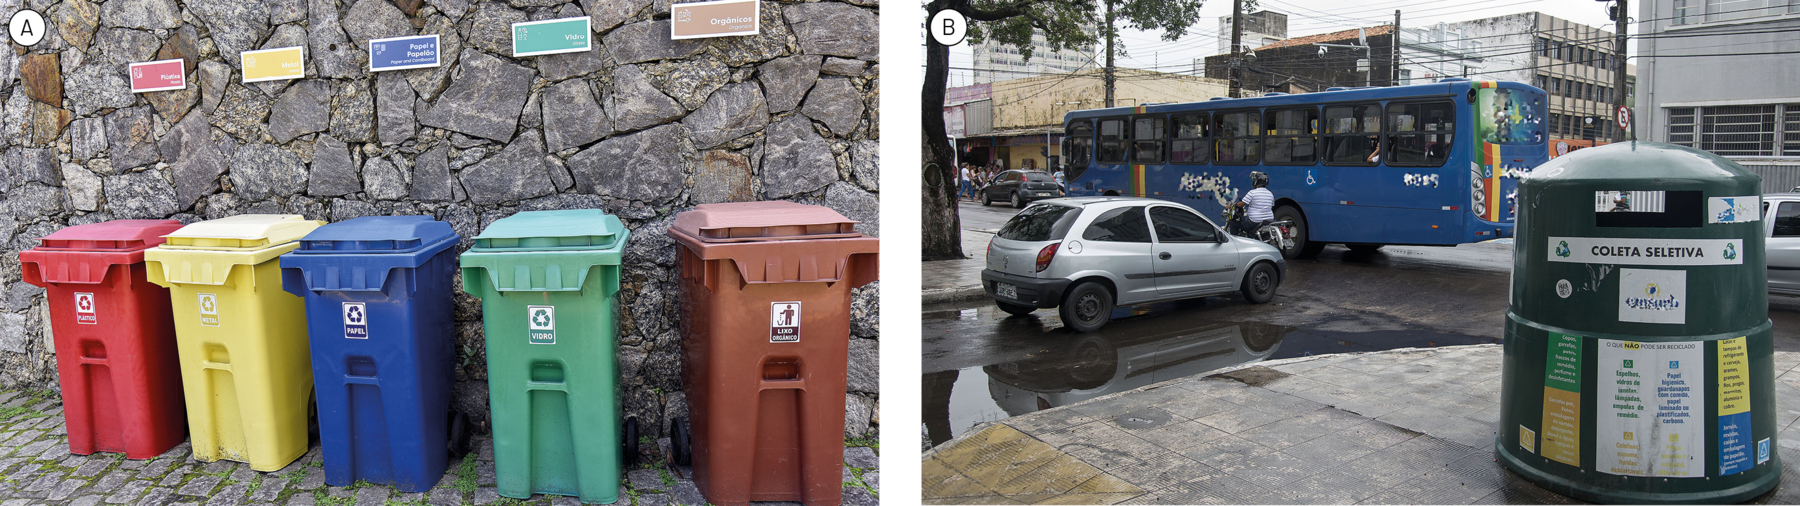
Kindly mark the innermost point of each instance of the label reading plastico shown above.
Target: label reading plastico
(209, 309)
(84, 309)
(159, 75)
(1652, 400)
(356, 320)
(784, 322)
(542, 324)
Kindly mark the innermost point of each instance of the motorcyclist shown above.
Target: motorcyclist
(1258, 204)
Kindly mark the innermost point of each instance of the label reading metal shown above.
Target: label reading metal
(721, 18)
(1680, 252)
(1652, 398)
(1653, 296)
(356, 320)
(1734, 209)
(542, 324)
(566, 35)
(400, 53)
(274, 64)
(1734, 406)
(84, 309)
(209, 309)
(161, 75)
(784, 322)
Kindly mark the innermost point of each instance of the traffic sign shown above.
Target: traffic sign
(1624, 117)
(160, 75)
(400, 53)
(566, 35)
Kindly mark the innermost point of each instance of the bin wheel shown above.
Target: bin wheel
(678, 441)
(459, 434)
(631, 441)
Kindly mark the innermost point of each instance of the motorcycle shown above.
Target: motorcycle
(1277, 233)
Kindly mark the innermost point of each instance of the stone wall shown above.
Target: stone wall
(642, 126)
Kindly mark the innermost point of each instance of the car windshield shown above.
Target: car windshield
(1037, 177)
(1042, 222)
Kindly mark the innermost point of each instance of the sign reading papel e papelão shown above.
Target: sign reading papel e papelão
(401, 53)
(721, 18)
(274, 64)
(161, 75)
(552, 36)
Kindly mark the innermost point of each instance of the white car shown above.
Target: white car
(1781, 225)
(1087, 255)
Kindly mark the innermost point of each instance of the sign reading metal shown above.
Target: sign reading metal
(401, 53)
(274, 64)
(784, 322)
(160, 75)
(566, 35)
(209, 309)
(1679, 252)
(721, 18)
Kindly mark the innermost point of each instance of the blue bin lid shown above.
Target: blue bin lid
(376, 234)
(357, 255)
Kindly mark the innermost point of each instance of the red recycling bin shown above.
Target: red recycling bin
(115, 337)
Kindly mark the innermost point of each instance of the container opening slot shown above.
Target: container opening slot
(355, 365)
(781, 369)
(93, 349)
(546, 372)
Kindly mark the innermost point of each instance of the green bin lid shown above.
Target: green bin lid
(552, 230)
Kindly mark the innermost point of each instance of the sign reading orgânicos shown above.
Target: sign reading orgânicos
(401, 53)
(566, 35)
(722, 18)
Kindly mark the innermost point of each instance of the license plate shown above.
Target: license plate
(1043, 194)
(1006, 290)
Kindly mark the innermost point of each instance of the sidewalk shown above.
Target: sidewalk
(37, 468)
(1409, 426)
(950, 281)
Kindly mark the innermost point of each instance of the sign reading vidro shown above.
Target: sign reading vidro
(552, 36)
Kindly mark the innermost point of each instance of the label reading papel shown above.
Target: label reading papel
(784, 322)
(356, 320)
(209, 309)
(84, 309)
(541, 321)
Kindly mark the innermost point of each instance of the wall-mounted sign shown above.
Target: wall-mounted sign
(722, 18)
(274, 64)
(566, 35)
(160, 75)
(401, 53)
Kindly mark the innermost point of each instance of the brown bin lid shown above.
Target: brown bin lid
(763, 221)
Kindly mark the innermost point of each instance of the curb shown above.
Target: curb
(952, 294)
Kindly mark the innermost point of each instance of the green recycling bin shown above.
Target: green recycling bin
(1639, 355)
(546, 280)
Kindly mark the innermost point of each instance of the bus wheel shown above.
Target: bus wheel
(1303, 247)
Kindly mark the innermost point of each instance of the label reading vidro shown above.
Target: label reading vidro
(541, 324)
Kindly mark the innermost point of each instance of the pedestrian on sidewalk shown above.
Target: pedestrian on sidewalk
(966, 188)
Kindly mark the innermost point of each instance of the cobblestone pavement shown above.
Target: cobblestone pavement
(37, 468)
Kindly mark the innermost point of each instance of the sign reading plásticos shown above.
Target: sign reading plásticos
(722, 18)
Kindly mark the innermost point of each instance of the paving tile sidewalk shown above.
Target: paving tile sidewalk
(1410, 426)
(37, 468)
(948, 281)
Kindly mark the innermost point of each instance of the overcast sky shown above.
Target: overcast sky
(1147, 50)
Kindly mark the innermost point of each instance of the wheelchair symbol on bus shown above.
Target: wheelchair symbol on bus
(1309, 178)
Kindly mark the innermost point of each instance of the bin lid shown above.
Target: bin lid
(242, 232)
(552, 230)
(375, 234)
(116, 235)
(777, 220)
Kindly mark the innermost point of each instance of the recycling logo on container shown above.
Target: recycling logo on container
(84, 309)
(356, 320)
(541, 321)
(209, 309)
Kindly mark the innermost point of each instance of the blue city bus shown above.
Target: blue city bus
(1426, 164)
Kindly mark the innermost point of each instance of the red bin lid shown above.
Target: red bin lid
(777, 220)
(111, 235)
(83, 254)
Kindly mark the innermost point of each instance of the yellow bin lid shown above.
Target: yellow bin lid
(242, 232)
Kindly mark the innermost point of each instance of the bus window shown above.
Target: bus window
(1191, 144)
(1147, 139)
(1352, 134)
(1504, 116)
(1420, 134)
(1292, 137)
(1080, 137)
(1112, 142)
(1239, 137)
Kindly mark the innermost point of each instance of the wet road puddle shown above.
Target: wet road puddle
(985, 367)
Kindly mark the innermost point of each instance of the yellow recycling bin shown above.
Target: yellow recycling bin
(245, 365)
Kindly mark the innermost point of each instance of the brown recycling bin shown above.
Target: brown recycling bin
(765, 294)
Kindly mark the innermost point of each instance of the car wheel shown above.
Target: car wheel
(1364, 247)
(1015, 309)
(1303, 247)
(1017, 202)
(1087, 308)
(987, 200)
(1259, 284)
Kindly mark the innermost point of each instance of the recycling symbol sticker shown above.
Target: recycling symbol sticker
(1562, 250)
(356, 316)
(209, 309)
(84, 309)
(541, 323)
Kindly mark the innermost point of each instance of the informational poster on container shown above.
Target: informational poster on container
(1653, 296)
(1676, 252)
(1734, 209)
(1562, 400)
(1734, 407)
(1652, 398)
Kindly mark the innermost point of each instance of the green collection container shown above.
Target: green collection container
(546, 280)
(1639, 354)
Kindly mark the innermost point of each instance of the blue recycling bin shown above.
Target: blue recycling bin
(378, 311)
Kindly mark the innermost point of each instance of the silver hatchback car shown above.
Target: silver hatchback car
(1088, 255)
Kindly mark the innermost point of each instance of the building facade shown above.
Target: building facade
(1719, 76)
(1261, 28)
(1572, 62)
(994, 61)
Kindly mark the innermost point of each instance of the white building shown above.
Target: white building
(1261, 28)
(1570, 61)
(1000, 62)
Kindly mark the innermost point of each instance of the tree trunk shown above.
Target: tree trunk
(942, 228)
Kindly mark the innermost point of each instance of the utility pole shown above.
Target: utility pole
(1620, 15)
(1110, 78)
(1394, 58)
(1237, 54)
